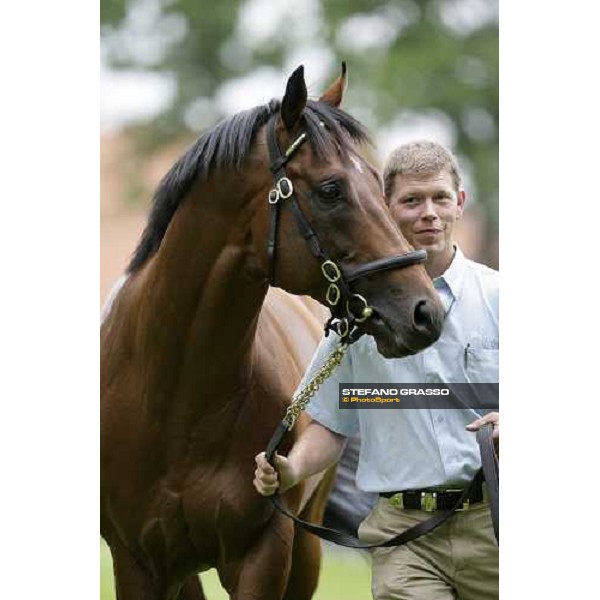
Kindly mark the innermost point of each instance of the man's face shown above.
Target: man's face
(426, 208)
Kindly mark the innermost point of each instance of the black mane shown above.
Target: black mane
(226, 145)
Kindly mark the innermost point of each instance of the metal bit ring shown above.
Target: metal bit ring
(366, 311)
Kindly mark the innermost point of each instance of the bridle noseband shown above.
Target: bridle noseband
(339, 295)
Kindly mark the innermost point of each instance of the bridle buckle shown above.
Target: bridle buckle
(283, 189)
(343, 328)
(331, 271)
(273, 196)
(333, 294)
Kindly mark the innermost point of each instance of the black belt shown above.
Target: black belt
(431, 500)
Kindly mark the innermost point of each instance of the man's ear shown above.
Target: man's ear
(335, 92)
(294, 101)
(462, 198)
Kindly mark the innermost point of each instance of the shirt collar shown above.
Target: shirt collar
(454, 275)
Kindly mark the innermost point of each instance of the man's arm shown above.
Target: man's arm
(316, 449)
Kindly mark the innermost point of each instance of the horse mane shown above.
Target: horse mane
(226, 145)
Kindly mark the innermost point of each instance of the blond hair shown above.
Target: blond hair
(416, 158)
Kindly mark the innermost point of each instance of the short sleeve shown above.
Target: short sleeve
(324, 405)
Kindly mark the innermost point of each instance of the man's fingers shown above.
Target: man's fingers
(263, 464)
(475, 425)
(479, 423)
(266, 480)
(265, 490)
(265, 485)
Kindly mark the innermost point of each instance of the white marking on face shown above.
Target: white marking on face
(356, 163)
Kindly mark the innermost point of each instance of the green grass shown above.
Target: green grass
(345, 575)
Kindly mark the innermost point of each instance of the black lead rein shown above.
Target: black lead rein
(489, 472)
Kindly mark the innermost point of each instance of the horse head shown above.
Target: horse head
(321, 226)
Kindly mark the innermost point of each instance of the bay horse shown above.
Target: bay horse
(198, 363)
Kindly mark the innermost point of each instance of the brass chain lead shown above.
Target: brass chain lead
(302, 398)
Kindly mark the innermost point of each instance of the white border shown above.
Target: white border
(49, 247)
(548, 243)
(50, 256)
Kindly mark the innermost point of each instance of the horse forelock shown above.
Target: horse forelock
(226, 146)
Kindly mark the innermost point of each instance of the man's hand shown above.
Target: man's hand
(316, 449)
(494, 419)
(267, 479)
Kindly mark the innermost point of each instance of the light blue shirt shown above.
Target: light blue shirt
(412, 449)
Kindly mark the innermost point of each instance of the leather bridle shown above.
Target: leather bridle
(347, 308)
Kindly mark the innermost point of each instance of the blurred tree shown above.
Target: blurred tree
(437, 58)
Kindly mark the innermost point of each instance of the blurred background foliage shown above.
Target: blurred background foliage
(417, 68)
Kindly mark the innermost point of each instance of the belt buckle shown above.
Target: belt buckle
(397, 500)
(428, 501)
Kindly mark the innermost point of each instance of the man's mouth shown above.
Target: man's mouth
(430, 230)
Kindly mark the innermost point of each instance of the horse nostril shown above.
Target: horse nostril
(423, 316)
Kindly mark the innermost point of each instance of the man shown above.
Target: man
(423, 449)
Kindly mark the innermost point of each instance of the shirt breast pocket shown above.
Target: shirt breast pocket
(482, 365)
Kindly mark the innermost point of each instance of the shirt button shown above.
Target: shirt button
(439, 419)
(432, 378)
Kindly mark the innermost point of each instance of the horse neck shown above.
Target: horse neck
(200, 296)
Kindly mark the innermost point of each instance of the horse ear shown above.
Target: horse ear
(335, 92)
(294, 101)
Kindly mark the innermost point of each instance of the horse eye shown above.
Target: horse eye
(330, 191)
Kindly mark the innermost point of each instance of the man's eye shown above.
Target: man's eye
(411, 200)
(330, 191)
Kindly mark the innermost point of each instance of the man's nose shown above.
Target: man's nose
(429, 210)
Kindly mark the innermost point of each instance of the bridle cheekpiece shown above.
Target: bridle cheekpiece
(339, 296)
